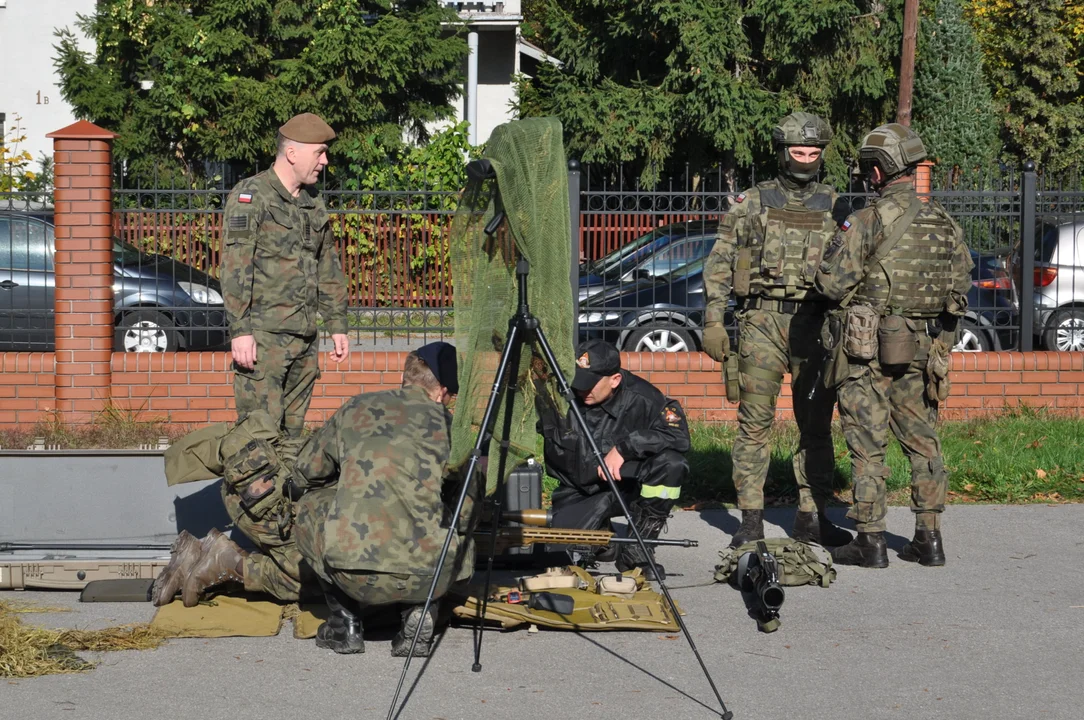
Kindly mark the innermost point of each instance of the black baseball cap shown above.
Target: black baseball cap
(440, 357)
(595, 360)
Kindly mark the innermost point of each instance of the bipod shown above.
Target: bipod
(521, 325)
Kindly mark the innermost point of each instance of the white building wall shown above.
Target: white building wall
(28, 81)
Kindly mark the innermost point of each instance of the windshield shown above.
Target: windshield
(649, 251)
(626, 257)
(126, 254)
(676, 256)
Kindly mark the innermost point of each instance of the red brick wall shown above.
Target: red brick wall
(196, 388)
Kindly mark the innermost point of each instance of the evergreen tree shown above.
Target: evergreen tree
(1035, 59)
(954, 109)
(656, 83)
(227, 73)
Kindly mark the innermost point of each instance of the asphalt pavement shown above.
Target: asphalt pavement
(996, 633)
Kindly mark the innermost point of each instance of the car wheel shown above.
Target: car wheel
(660, 337)
(145, 331)
(1065, 330)
(971, 338)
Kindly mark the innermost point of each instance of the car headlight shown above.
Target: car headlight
(201, 293)
(588, 318)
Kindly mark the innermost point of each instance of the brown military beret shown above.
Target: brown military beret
(307, 128)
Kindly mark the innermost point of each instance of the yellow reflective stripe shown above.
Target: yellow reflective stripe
(660, 491)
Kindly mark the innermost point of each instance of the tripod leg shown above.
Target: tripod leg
(516, 344)
(581, 424)
(481, 447)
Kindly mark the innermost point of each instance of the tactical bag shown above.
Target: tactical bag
(799, 564)
(897, 339)
(860, 332)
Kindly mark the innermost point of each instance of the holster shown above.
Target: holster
(730, 378)
(837, 367)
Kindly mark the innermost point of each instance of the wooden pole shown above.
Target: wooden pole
(907, 62)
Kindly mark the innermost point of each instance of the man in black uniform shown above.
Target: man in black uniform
(643, 436)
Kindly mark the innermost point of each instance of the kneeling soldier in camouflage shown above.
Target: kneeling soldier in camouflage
(372, 523)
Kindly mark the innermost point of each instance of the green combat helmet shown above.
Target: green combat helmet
(894, 148)
(800, 129)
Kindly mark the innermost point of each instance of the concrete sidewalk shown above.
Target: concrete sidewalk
(994, 634)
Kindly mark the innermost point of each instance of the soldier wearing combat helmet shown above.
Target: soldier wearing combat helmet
(767, 251)
(900, 271)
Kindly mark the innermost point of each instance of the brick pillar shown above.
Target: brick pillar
(83, 263)
(924, 179)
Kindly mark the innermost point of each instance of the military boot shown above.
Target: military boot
(341, 632)
(817, 528)
(412, 617)
(752, 528)
(925, 549)
(867, 550)
(184, 554)
(220, 562)
(650, 522)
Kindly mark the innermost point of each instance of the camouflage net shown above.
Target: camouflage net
(27, 651)
(531, 188)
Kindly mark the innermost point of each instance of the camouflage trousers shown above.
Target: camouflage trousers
(772, 344)
(873, 401)
(274, 570)
(369, 589)
(281, 382)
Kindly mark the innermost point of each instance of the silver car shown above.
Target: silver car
(1059, 284)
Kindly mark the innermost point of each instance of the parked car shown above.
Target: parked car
(664, 313)
(653, 254)
(1059, 283)
(992, 321)
(159, 303)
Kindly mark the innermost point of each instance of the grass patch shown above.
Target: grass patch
(27, 651)
(1016, 456)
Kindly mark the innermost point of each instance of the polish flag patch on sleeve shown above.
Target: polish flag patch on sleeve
(740, 198)
(846, 225)
(244, 198)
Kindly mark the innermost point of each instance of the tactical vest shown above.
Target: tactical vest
(788, 239)
(917, 275)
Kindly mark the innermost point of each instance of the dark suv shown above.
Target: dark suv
(159, 303)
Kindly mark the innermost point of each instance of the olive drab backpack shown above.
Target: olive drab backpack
(799, 563)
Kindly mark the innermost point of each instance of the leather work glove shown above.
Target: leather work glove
(716, 342)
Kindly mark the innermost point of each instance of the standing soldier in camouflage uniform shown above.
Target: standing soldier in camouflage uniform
(901, 272)
(767, 250)
(279, 267)
(372, 522)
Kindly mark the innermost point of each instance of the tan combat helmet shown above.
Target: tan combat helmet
(800, 129)
(894, 148)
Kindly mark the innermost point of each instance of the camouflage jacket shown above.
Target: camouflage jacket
(279, 261)
(782, 231)
(385, 453)
(931, 260)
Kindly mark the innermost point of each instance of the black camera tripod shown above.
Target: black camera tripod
(522, 328)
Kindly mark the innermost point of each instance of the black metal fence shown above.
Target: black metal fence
(643, 250)
(639, 283)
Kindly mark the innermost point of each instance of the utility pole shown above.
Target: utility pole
(907, 62)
